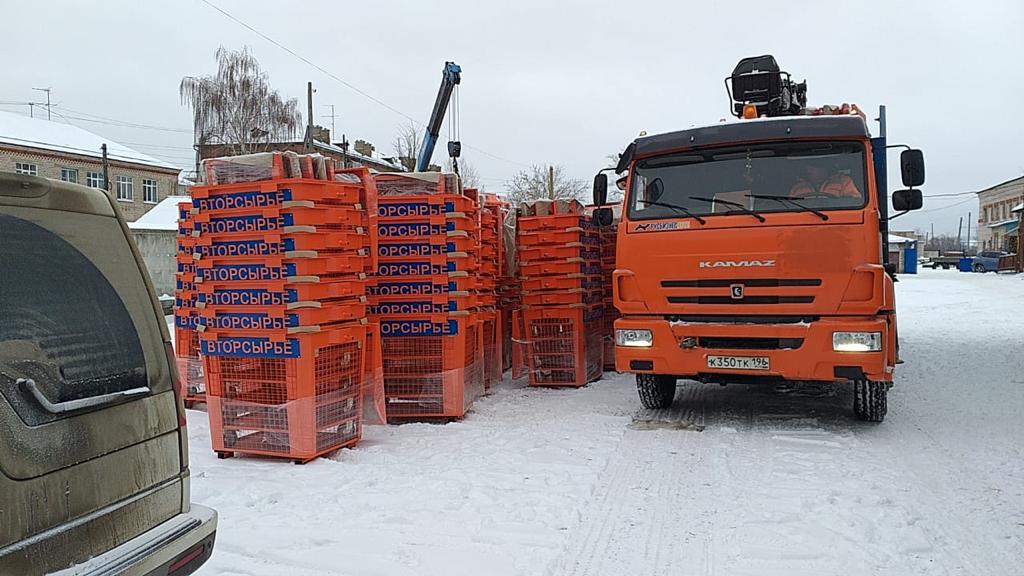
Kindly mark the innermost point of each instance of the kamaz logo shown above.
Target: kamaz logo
(736, 263)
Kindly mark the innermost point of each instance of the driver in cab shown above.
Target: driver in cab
(818, 183)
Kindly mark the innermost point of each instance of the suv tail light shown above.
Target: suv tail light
(172, 362)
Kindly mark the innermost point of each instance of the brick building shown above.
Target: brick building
(998, 224)
(63, 152)
(362, 153)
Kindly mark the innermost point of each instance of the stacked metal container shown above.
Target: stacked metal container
(559, 250)
(186, 339)
(427, 297)
(281, 255)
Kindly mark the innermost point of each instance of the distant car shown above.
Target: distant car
(987, 261)
(94, 474)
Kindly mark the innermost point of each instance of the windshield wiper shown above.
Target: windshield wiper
(803, 207)
(737, 205)
(682, 209)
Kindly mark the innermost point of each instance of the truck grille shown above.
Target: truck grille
(750, 343)
(731, 286)
(744, 300)
(747, 282)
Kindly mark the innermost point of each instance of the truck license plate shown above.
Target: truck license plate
(738, 362)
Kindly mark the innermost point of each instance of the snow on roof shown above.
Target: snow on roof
(163, 216)
(19, 130)
(894, 239)
(1002, 223)
(355, 155)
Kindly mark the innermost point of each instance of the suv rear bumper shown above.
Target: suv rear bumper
(813, 360)
(184, 543)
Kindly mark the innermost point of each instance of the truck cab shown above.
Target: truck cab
(752, 251)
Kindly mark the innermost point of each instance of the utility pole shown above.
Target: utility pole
(309, 115)
(106, 168)
(551, 182)
(332, 116)
(47, 90)
(968, 233)
(31, 109)
(959, 231)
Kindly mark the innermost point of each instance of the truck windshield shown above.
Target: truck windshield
(773, 177)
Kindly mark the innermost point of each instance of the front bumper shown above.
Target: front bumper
(811, 359)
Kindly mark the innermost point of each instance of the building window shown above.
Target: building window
(149, 190)
(69, 175)
(125, 188)
(26, 168)
(94, 179)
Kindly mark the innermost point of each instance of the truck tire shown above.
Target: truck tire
(656, 390)
(870, 400)
(979, 267)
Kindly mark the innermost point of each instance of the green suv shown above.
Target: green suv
(93, 451)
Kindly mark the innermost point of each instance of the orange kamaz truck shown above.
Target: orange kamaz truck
(754, 250)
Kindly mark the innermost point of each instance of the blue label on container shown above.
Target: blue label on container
(241, 248)
(253, 297)
(413, 268)
(257, 321)
(188, 322)
(250, 347)
(389, 328)
(184, 268)
(236, 224)
(397, 210)
(400, 229)
(236, 200)
(413, 249)
(242, 273)
(420, 307)
(406, 289)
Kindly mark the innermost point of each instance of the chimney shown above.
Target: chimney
(363, 147)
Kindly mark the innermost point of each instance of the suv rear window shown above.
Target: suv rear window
(65, 323)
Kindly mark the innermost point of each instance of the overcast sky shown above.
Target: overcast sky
(546, 81)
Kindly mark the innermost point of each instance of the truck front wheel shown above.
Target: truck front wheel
(870, 400)
(656, 390)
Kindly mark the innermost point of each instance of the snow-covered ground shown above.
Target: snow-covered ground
(734, 480)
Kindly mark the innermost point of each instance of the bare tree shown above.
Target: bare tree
(237, 107)
(532, 184)
(407, 145)
(467, 173)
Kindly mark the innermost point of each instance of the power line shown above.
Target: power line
(115, 122)
(950, 195)
(945, 207)
(343, 82)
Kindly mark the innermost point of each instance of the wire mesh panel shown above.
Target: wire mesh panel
(562, 346)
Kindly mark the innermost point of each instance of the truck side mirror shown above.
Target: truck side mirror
(905, 200)
(912, 168)
(603, 217)
(600, 189)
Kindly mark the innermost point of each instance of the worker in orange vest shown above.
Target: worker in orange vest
(817, 182)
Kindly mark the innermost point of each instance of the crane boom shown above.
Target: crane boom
(451, 76)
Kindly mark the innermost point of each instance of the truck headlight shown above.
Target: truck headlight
(856, 341)
(634, 338)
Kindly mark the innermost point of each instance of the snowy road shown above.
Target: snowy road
(735, 480)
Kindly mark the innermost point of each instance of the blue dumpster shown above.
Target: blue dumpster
(966, 263)
(910, 258)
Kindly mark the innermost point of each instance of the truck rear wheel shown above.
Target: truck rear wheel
(870, 400)
(656, 390)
